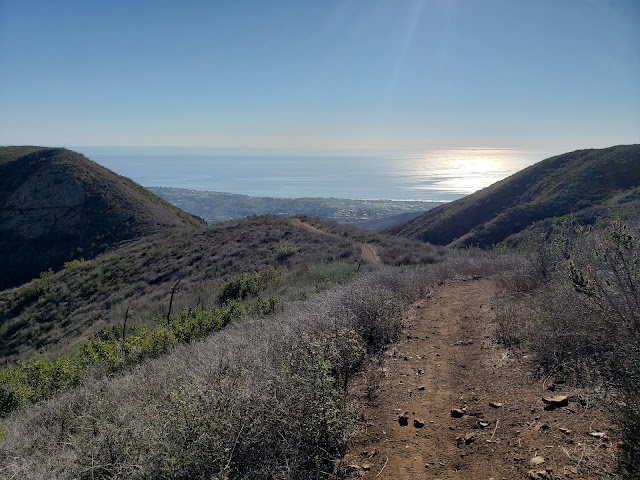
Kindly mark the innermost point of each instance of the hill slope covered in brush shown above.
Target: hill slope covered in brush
(56, 205)
(570, 183)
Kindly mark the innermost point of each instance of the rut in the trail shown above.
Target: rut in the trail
(472, 411)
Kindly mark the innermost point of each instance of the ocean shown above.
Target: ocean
(433, 175)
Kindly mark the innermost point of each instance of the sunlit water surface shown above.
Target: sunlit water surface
(434, 175)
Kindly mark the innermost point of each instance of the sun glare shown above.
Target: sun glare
(461, 171)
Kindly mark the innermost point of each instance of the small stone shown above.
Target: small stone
(366, 467)
(403, 419)
(538, 474)
(457, 413)
(566, 431)
(418, 423)
(537, 460)
(482, 424)
(421, 388)
(555, 402)
(469, 438)
(495, 404)
(598, 434)
(541, 426)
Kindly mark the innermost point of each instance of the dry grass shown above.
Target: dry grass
(140, 275)
(264, 398)
(582, 318)
(97, 293)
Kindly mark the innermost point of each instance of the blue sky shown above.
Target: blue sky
(382, 74)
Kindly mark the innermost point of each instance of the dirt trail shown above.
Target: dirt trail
(448, 361)
(369, 253)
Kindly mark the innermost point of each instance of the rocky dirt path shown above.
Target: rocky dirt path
(452, 405)
(369, 253)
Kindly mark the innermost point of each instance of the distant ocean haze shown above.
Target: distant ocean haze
(435, 175)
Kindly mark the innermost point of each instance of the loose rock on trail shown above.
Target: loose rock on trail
(454, 405)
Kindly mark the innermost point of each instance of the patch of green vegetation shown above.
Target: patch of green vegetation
(245, 285)
(39, 287)
(73, 264)
(285, 250)
(116, 347)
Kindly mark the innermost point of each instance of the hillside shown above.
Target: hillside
(568, 183)
(377, 224)
(52, 314)
(56, 206)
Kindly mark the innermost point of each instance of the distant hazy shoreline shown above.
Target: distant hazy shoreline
(220, 206)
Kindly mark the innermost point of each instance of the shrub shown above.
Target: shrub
(39, 287)
(377, 317)
(244, 285)
(284, 251)
(74, 264)
(611, 279)
(584, 319)
(607, 272)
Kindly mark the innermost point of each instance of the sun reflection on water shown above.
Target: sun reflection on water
(461, 171)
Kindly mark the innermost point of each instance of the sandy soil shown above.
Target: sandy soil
(501, 430)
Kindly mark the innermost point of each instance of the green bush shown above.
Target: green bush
(161, 340)
(74, 264)
(37, 380)
(245, 285)
(284, 251)
(39, 287)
